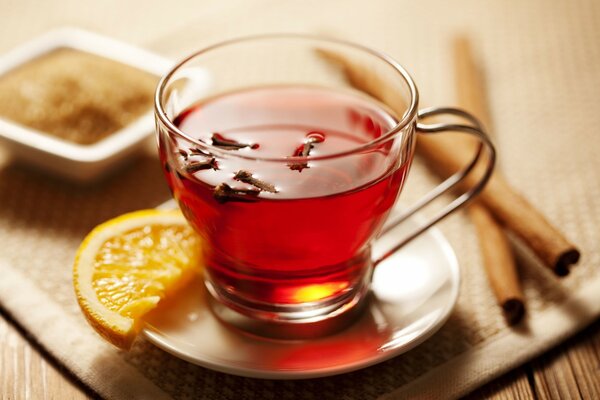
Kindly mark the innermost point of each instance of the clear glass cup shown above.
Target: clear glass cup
(286, 154)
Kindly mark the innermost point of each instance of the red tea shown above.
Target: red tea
(284, 232)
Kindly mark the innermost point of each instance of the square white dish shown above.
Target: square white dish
(75, 161)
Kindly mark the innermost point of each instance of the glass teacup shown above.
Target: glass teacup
(288, 166)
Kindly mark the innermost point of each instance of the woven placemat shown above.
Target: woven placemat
(541, 61)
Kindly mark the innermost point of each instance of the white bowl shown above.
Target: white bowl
(79, 162)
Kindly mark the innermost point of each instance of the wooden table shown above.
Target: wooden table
(571, 371)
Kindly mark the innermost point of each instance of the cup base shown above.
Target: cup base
(290, 323)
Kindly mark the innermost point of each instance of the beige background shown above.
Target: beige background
(542, 62)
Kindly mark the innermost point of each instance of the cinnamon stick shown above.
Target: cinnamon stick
(498, 259)
(507, 206)
(499, 263)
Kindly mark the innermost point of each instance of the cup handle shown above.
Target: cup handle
(474, 128)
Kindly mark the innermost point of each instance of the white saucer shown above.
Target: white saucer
(414, 292)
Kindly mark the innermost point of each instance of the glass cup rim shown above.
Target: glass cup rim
(408, 116)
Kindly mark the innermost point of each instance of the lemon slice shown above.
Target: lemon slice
(125, 266)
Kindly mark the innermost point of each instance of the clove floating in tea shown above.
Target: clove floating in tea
(183, 154)
(304, 150)
(246, 177)
(224, 193)
(196, 151)
(219, 140)
(195, 166)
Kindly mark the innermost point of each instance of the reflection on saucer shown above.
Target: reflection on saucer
(403, 277)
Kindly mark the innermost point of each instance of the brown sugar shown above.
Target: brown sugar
(76, 96)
